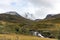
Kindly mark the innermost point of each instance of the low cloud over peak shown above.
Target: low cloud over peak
(39, 8)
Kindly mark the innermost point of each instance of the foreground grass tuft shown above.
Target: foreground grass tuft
(21, 37)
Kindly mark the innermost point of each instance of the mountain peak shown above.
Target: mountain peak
(12, 13)
(52, 16)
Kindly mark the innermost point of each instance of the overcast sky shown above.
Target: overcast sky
(39, 8)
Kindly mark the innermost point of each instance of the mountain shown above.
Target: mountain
(12, 13)
(52, 16)
(12, 22)
(13, 17)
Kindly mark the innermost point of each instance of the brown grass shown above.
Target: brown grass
(21, 37)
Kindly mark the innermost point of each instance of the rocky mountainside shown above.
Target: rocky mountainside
(51, 16)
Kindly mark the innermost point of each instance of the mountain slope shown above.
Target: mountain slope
(51, 23)
(13, 17)
(12, 13)
(12, 22)
(52, 16)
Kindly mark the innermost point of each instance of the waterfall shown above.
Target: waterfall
(40, 35)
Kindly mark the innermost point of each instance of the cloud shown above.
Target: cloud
(41, 3)
(5, 5)
(46, 7)
(39, 8)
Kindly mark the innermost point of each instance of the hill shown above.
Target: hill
(52, 16)
(13, 17)
(12, 22)
(51, 23)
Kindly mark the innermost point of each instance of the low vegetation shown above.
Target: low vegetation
(10, 24)
(21, 37)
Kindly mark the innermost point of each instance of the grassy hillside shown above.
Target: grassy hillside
(52, 25)
(14, 24)
(10, 24)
